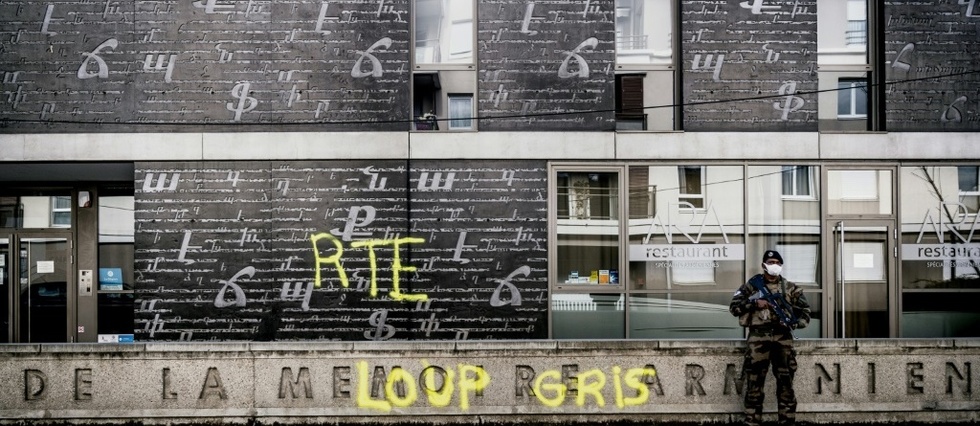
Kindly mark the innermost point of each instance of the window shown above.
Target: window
(444, 32)
(859, 185)
(940, 288)
(797, 182)
(116, 259)
(630, 114)
(684, 263)
(461, 112)
(643, 199)
(11, 212)
(36, 211)
(426, 88)
(852, 99)
(61, 212)
(644, 32)
(690, 181)
(857, 24)
(782, 217)
(969, 187)
(801, 262)
(588, 299)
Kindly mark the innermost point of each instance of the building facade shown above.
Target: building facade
(484, 170)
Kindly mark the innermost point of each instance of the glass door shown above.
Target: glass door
(37, 277)
(6, 281)
(861, 265)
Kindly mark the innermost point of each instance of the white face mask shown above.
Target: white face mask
(774, 269)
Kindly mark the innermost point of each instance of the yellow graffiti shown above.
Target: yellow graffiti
(363, 390)
(558, 388)
(472, 378)
(585, 387)
(436, 397)
(551, 391)
(480, 382)
(335, 259)
(396, 264)
(411, 394)
(634, 379)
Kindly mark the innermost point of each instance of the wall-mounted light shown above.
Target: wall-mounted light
(84, 199)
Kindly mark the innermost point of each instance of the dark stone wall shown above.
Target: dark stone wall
(250, 250)
(547, 65)
(755, 49)
(132, 66)
(932, 65)
(222, 65)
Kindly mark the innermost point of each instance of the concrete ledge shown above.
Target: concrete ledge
(404, 346)
(514, 145)
(719, 146)
(559, 146)
(682, 381)
(101, 147)
(900, 146)
(304, 145)
(503, 345)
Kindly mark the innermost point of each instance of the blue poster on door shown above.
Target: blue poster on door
(110, 279)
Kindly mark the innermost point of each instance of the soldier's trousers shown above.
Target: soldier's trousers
(765, 347)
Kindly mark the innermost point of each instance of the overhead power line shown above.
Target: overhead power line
(476, 118)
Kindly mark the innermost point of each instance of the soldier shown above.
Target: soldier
(770, 319)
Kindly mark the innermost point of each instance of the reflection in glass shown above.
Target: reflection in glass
(968, 187)
(683, 316)
(689, 180)
(867, 192)
(856, 35)
(798, 182)
(940, 252)
(863, 267)
(461, 112)
(5, 284)
(852, 98)
(674, 250)
(116, 239)
(61, 212)
(116, 260)
(644, 32)
(588, 228)
(940, 314)
(784, 215)
(443, 31)
(43, 290)
(590, 196)
(674, 246)
(36, 212)
(588, 316)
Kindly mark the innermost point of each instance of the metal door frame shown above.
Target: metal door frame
(831, 303)
(834, 302)
(15, 237)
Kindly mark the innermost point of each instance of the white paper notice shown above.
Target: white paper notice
(45, 266)
(864, 260)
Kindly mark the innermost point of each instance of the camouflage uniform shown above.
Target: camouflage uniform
(769, 341)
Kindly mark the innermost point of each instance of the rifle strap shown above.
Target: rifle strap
(760, 285)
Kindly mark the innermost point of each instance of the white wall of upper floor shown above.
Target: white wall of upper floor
(601, 146)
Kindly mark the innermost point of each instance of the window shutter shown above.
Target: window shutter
(631, 95)
(639, 193)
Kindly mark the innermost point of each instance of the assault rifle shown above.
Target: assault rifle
(783, 311)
